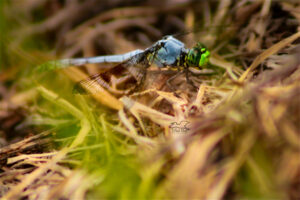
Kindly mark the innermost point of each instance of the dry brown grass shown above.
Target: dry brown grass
(243, 135)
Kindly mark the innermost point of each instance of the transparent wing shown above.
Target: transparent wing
(135, 65)
(89, 84)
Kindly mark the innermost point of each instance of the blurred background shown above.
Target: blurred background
(244, 148)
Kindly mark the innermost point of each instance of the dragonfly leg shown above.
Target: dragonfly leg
(168, 82)
(189, 81)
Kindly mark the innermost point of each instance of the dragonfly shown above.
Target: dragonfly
(168, 52)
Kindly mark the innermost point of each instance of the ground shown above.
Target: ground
(235, 135)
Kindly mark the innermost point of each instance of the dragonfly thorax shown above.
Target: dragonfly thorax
(169, 52)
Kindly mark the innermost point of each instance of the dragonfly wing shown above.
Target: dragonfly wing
(137, 72)
(88, 84)
(136, 65)
(94, 84)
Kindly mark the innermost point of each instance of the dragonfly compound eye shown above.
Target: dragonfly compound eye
(204, 57)
(198, 56)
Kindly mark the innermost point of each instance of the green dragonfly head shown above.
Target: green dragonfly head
(198, 56)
